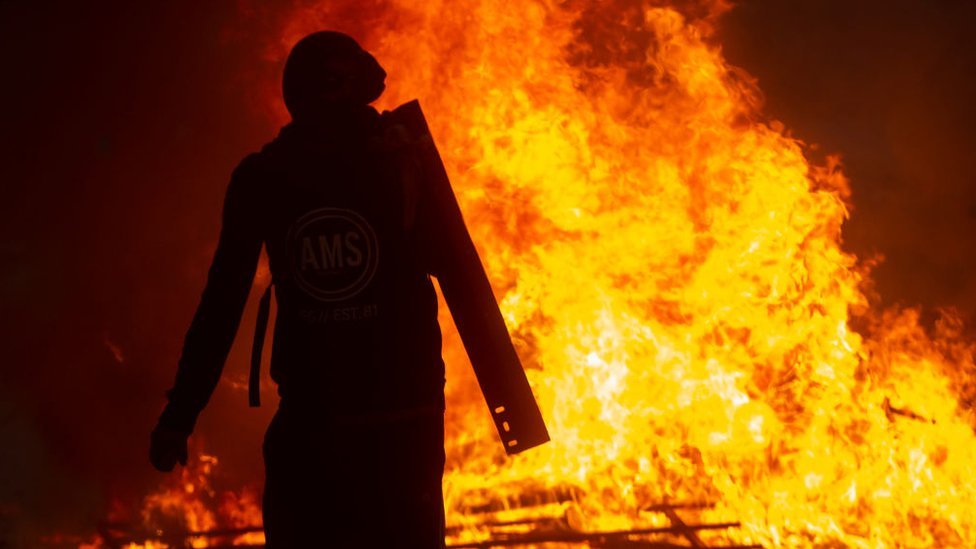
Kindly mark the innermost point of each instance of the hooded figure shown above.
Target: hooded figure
(328, 72)
(355, 453)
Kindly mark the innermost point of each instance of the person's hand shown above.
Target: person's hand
(166, 448)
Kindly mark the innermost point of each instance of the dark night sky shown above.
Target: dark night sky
(122, 123)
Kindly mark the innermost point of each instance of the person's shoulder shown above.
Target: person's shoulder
(405, 126)
(257, 166)
(250, 178)
(252, 164)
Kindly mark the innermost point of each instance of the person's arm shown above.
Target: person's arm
(211, 334)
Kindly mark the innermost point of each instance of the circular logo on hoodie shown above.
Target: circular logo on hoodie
(333, 253)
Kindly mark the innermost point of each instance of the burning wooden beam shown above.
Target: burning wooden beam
(615, 538)
(564, 529)
(554, 529)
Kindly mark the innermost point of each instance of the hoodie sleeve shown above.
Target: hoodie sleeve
(212, 331)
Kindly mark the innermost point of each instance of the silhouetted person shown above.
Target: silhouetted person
(354, 456)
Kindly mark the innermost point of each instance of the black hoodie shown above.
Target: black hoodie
(347, 235)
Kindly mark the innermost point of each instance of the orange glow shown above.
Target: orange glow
(186, 504)
(670, 266)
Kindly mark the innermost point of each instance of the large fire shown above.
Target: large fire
(669, 263)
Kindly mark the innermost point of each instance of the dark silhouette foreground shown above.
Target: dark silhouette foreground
(356, 214)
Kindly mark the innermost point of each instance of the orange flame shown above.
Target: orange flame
(186, 511)
(670, 266)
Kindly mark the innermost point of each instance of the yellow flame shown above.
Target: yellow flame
(187, 504)
(670, 266)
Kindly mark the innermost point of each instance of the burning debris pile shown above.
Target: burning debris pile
(187, 511)
(670, 265)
